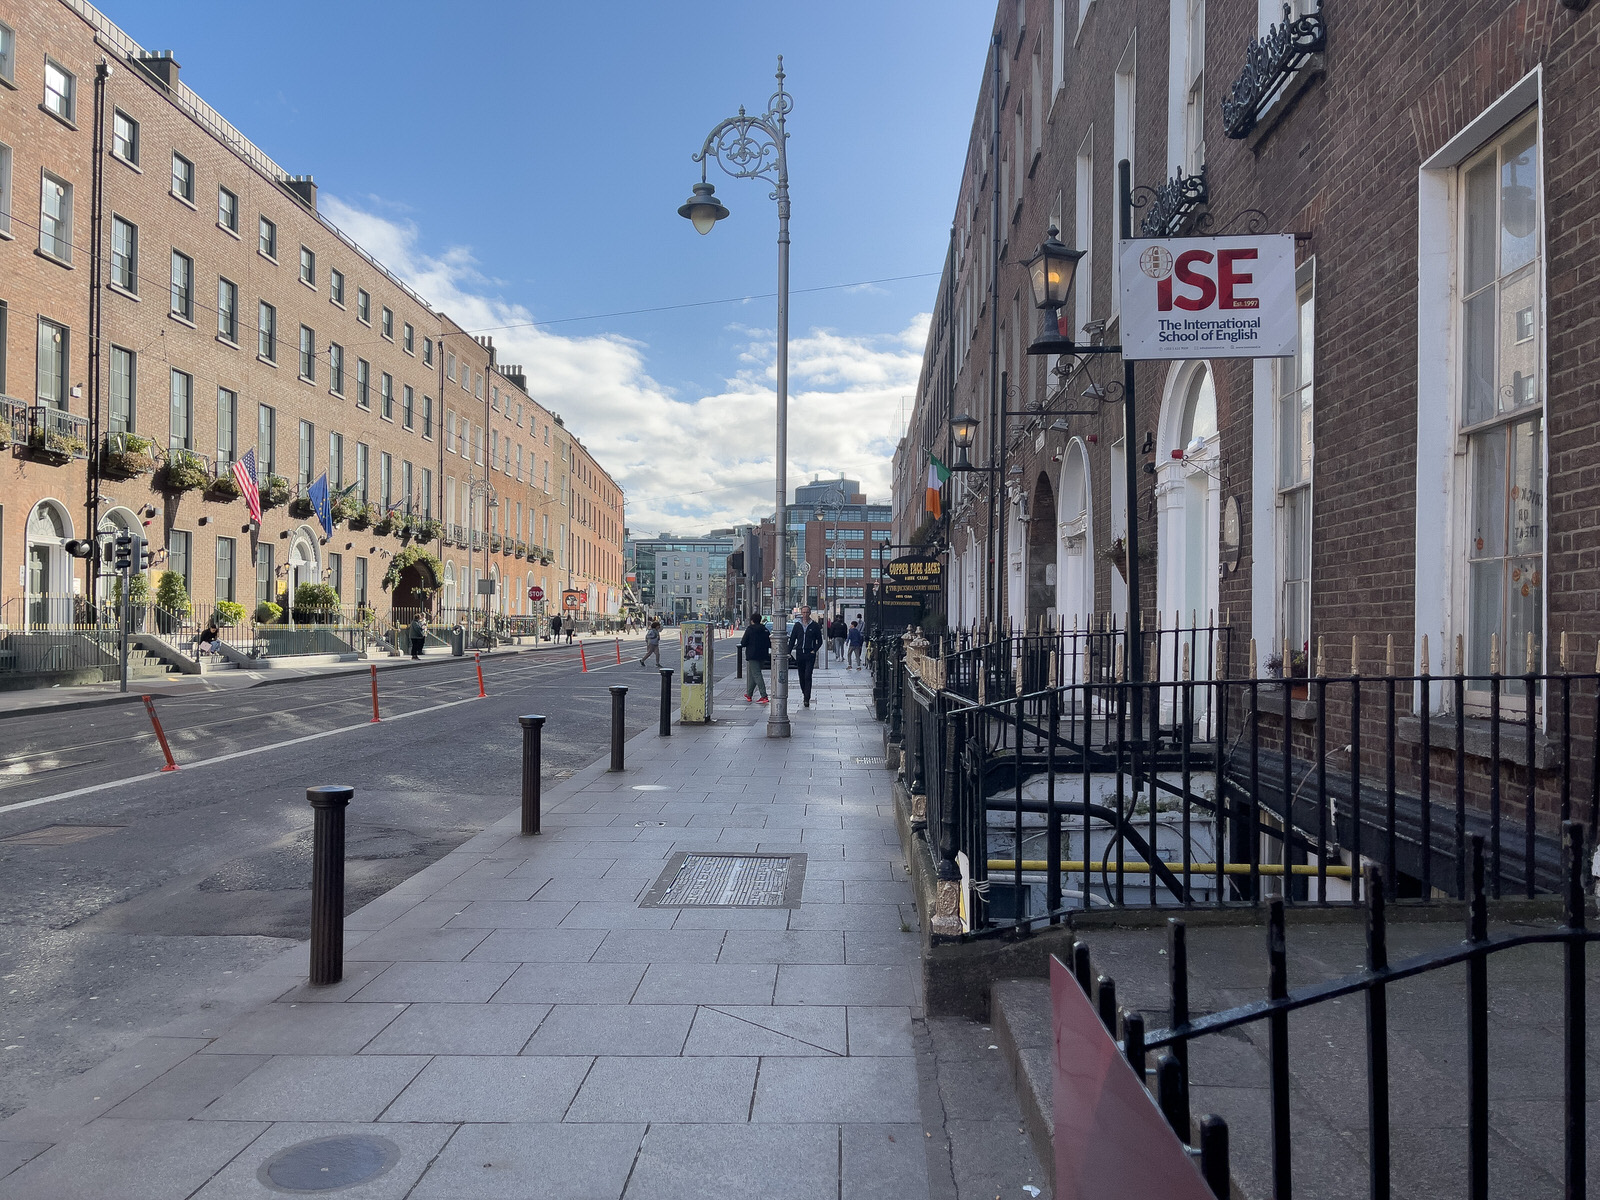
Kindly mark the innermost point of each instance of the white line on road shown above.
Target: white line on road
(221, 758)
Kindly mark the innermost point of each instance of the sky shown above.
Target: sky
(521, 164)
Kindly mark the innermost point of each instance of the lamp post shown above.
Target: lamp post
(747, 147)
(477, 487)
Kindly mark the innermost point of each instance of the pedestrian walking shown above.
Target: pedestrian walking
(857, 638)
(652, 643)
(419, 635)
(837, 634)
(555, 627)
(757, 643)
(572, 629)
(805, 643)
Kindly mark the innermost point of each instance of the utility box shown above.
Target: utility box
(695, 670)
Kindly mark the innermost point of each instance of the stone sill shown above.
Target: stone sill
(1513, 739)
(1271, 698)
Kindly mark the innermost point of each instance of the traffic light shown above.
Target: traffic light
(122, 552)
(142, 558)
(79, 548)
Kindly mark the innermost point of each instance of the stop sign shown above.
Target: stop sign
(536, 593)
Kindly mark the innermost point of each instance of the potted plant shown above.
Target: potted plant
(138, 596)
(316, 604)
(345, 509)
(275, 492)
(185, 472)
(128, 455)
(360, 516)
(229, 613)
(267, 612)
(172, 601)
(428, 530)
(300, 508)
(224, 488)
(58, 444)
(494, 543)
(385, 524)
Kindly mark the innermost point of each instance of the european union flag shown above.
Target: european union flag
(321, 504)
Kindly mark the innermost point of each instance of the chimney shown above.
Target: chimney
(161, 66)
(304, 189)
(516, 375)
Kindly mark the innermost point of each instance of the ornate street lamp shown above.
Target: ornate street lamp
(963, 429)
(749, 147)
(1050, 271)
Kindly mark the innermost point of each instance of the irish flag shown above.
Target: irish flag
(937, 474)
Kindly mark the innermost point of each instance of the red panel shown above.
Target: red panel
(1110, 1139)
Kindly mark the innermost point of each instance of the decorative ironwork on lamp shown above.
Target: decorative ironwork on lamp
(1050, 272)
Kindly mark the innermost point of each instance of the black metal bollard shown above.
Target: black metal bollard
(738, 661)
(666, 701)
(327, 882)
(532, 734)
(1214, 1155)
(619, 695)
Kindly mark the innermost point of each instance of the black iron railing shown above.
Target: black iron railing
(1171, 1075)
(1270, 63)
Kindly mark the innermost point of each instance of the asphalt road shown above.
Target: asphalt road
(120, 902)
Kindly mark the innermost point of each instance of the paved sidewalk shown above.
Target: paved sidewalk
(514, 1023)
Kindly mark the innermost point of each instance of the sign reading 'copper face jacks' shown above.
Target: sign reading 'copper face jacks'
(909, 579)
(1222, 297)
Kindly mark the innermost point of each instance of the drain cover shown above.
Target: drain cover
(649, 787)
(326, 1164)
(59, 835)
(709, 880)
(875, 761)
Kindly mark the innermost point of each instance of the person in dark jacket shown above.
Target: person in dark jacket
(419, 636)
(857, 638)
(805, 641)
(836, 636)
(555, 627)
(757, 643)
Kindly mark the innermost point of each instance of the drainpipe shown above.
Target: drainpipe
(102, 72)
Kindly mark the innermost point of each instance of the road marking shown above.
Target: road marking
(222, 758)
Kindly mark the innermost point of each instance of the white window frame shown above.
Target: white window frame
(8, 54)
(183, 188)
(131, 156)
(125, 266)
(56, 243)
(5, 190)
(1083, 233)
(228, 216)
(181, 292)
(68, 110)
(1284, 493)
(267, 239)
(227, 310)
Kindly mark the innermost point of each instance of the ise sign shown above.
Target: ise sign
(1222, 297)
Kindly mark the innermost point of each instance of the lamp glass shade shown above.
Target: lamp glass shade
(964, 428)
(1050, 271)
(703, 208)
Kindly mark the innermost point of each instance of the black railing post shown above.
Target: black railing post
(1278, 1052)
(666, 701)
(1133, 1042)
(619, 697)
(532, 738)
(1178, 984)
(1477, 1026)
(1377, 1038)
(1082, 969)
(1576, 1082)
(1172, 1093)
(1214, 1155)
(327, 882)
(1105, 991)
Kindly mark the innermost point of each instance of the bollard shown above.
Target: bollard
(619, 652)
(666, 701)
(619, 695)
(583, 658)
(482, 695)
(738, 661)
(375, 717)
(150, 707)
(327, 882)
(532, 731)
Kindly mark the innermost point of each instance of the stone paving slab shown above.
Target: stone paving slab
(517, 1025)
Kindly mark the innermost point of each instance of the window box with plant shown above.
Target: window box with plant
(275, 493)
(386, 524)
(361, 516)
(128, 456)
(344, 509)
(300, 509)
(185, 472)
(494, 543)
(224, 488)
(1297, 674)
(57, 444)
(426, 529)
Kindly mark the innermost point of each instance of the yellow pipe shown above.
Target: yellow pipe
(1139, 868)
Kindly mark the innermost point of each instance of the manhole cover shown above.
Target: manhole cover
(709, 880)
(649, 787)
(327, 1164)
(59, 835)
(874, 761)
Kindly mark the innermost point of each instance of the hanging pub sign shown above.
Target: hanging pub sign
(1209, 297)
(908, 580)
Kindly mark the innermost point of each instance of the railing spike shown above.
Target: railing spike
(1187, 674)
(1355, 655)
(1425, 668)
(1288, 660)
(1563, 651)
(1461, 655)
(1252, 674)
(1494, 654)
(1322, 658)
(1388, 656)
(1527, 656)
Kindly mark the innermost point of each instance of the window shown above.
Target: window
(125, 255)
(1294, 388)
(227, 310)
(227, 429)
(308, 266)
(268, 240)
(361, 582)
(60, 91)
(407, 404)
(1502, 400)
(1195, 87)
(362, 455)
(266, 442)
(267, 332)
(1083, 284)
(450, 433)
(478, 440)
(307, 461)
(8, 54)
(405, 485)
(265, 575)
(386, 326)
(124, 388)
(427, 417)
(336, 368)
(336, 571)
(363, 383)
(336, 286)
(5, 188)
(182, 285)
(124, 137)
(227, 210)
(450, 367)
(427, 351)
(363, 306)
(180, 421)
(54, 347)
(336, 460)
(425, 496)
(224, 576)
(182, 178)
(308, 354)
(408, 338)
(386, 479)
(180, 545)
(386, 394)
(55, 217)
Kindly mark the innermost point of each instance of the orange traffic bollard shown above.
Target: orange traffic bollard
(482, 695)
(619, 652)
(150, 707)
(375, 717)
(582, 657)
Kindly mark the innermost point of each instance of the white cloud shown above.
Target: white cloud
(844, 393)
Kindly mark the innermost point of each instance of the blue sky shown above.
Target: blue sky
(524, 163)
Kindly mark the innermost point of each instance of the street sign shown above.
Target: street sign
(1220, 297)
(486, 587)
(574, 600)
(536, 592)
(908, 579)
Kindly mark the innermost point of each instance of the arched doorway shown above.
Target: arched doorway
(49, 575)
(1074, 540)
(304, 560)
(1041, 553)
(1188, 499)
(417, 585)
(447, 592)
(1016, 579)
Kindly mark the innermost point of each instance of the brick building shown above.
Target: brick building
(170, 298)
(1423, 468)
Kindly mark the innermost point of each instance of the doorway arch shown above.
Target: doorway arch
(1074, 539)
(112, 522)
(49, 576)
(1042, 570)
(1188, 498)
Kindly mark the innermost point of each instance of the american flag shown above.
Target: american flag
(244, 472)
